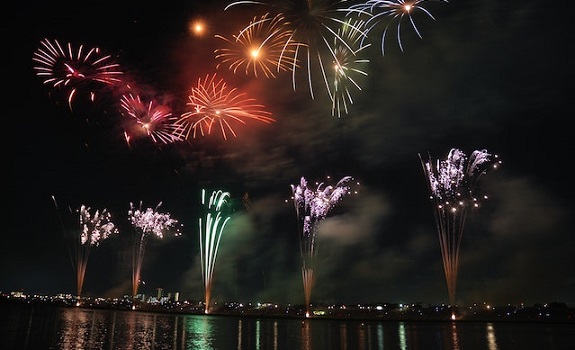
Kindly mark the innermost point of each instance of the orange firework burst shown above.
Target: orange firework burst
(259, 48)
(313, 25)
(214, 102)
(75, 70)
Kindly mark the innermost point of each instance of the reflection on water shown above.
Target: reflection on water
(362, 339)
(380, 337)
(199, 333)
(454, 337)
(275, 335)
(491, 341)
(240, 334)
(402, 336)
(95, 329)
(81, 329)
(258, 335)
(305, 335)
(32, 327)
(343, 336)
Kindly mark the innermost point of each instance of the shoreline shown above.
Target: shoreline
(556, 315)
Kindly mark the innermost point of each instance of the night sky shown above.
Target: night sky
(486, 75)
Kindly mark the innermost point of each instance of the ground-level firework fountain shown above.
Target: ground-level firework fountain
(452, 184)
(93, 229)
(312, 206)
(211, 229)
(88, 231)
(146, 222)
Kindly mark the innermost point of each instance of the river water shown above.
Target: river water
(41, 327)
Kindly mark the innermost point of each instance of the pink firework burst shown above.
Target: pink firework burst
(75, 70)
(214, 103)
(149, 119)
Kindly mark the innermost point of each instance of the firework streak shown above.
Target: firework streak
(312, 206)
(211, 230)
(94, 229)
(147, 222)
(452, 184)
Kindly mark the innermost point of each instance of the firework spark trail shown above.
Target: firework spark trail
(75, 70)
(258, 48)
(247, 203)
(149, 119)
(213, 101)
(393, 11)
(145, 223)
(313, 24)
(210, 235)
(348, 67)
(312, 206)
(94, 229)
(62, 226)
(452, 184)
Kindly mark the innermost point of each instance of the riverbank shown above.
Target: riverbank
(541, 313)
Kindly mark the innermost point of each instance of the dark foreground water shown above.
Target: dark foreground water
(49, 327)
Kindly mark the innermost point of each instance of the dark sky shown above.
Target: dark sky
(486, 75)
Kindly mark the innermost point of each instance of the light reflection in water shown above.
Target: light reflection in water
(454, 337)
(78, 328)
(139, 331)
(263, 333)
(362, 338)
(175, 333)
(113, 330)
(305, 335)
(200, 333)
(380, 336)
(402, 336)
(28, 329)
(275, 335)
(74, 326)
(258, 334)
(82, 329)
(491, 341)
(343, 336)
(239, 334)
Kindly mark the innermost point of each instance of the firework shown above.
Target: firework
(348, 67)
(312, 206)
(258, 48)
(214, 103)
(211, 230)
(394, 11)
(247, 202)
(452, 184)
(198, 27)
(149, 119)
(145, 223)
(313, 26)
(81, 70)
(93, 229)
